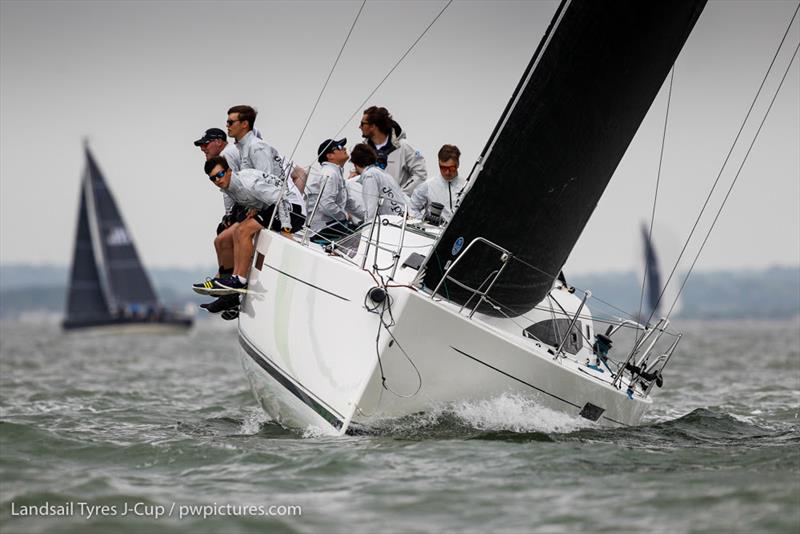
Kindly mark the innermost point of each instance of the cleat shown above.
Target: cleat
(225, 302)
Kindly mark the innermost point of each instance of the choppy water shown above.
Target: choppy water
(159, 421)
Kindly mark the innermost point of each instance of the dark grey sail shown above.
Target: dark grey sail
(108, 284)
(85, 300)
(121, 270)
(584, 94)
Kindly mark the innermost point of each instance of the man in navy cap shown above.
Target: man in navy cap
(331, 209)
(214, 143)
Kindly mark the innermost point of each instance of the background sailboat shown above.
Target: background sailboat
(108, 284)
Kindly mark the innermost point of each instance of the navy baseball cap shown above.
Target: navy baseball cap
(210, 135)
(328, 146)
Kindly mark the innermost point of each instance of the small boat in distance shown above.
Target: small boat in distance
(108, 286)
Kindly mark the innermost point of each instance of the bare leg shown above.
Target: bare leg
(243, 238)
(223, 244)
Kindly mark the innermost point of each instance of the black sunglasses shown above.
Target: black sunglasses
(215, 177)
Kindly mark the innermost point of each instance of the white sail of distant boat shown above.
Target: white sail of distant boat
(108, 286)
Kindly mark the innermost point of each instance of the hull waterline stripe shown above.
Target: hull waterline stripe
(308, 284)
(263, 362)
(529, 385)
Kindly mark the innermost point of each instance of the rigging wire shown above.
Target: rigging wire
(736, 177)
(655, 197)
(725, 162)
(328, 79)
(397, 64)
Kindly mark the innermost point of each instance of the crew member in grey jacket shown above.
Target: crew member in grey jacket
(381, 193)
(398, 158)
(445, 188)
(256, 153)
(329, 205)
(258, 192)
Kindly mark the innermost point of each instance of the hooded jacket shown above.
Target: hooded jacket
(403, 162)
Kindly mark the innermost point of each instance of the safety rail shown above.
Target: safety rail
(505, 255)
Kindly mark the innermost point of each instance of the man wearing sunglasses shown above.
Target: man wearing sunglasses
(329, 202)
(444, 188)
(258, 192)
(255, 153)
(395, 155)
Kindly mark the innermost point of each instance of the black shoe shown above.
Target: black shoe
(231, 284)
(225, 302)
(230, 315)
(208, 287)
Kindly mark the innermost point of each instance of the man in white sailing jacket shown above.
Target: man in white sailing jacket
(445, 188)
(329, 204)
(255, 153)
(382, 194)
(398, 158)
(258, 192)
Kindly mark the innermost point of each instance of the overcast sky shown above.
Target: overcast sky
(142, 80)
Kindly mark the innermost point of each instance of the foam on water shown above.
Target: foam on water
(254, 419)
(516, 413)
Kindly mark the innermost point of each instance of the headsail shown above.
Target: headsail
(107, 276)
(588, 87)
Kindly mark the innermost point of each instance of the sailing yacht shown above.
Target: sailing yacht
(109, 288)
(406, 315)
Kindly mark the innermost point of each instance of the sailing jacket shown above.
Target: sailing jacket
(377, 184)
(257, 154)
(437, 189)
(254, 189)
(335, 201)
(403, 162)
(231, 155)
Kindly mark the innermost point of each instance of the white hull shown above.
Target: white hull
(311, 356)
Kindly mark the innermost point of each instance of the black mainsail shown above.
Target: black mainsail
(584, 94)
(108, 283)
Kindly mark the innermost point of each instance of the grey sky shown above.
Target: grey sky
(143, 80)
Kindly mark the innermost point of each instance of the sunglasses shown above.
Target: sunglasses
(215, 177)
(450, 168)
(229, 122)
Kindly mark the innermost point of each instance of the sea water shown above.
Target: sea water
(161, 434)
